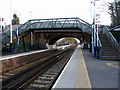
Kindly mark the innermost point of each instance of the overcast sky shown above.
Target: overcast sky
(53, 9)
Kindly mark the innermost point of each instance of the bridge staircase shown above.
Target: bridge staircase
(108, 52)
(109, 45)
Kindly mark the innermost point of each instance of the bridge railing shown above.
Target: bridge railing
(60, 23)
(111, 38)
(53, 24)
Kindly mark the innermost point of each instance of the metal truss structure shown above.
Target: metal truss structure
(54, 23)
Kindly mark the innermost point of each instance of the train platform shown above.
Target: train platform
(85, 71)
(29, 53)
(21, 54)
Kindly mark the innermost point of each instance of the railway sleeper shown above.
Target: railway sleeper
(42, 82)
(52, 71)
(44, 78)
(49, 75)
(37, 86)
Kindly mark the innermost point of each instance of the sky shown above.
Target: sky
(44, 9)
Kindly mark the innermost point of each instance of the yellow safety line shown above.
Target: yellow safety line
(86, 69)
(113, 65)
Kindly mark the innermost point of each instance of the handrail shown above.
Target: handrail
(111, 38)
(99, 43)
(114, 28)
(100, 48)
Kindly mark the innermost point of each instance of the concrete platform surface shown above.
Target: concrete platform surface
(102, 73)
(75, 73)
(85, 71)
(20, 54)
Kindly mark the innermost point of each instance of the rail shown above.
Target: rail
(19, 78)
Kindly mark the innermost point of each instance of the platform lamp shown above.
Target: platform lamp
(10, 27)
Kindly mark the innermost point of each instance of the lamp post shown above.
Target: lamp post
(31, 35)
(94, 31)
(10, 27)
(97, 31)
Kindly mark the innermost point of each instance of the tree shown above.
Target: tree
(114, 11)
(15, 19)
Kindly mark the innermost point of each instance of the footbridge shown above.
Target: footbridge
(35, 33)
(28, 32)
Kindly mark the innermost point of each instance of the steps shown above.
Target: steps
(108, 52)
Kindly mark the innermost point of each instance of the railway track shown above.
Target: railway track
(40, 74)
(18, 68)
